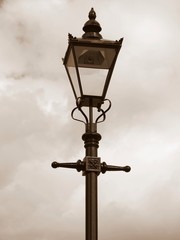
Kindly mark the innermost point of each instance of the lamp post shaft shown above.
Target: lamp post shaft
(91, 143)
(91, 207)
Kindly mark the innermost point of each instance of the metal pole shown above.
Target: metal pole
(91, 207)
(91, 139)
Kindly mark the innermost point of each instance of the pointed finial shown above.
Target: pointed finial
(92, 27)
(92, 14)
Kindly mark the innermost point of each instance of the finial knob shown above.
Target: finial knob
(92, 14)
(92, 27)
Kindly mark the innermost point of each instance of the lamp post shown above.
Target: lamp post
(89, 62)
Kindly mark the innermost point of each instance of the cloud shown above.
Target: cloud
(141, 130)
(31, 43)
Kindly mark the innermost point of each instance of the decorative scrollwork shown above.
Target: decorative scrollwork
(103, 114)
(79, 120)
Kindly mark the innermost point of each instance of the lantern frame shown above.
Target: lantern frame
(102, 48)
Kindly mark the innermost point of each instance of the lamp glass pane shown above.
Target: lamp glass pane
(73, 74)
(70, 60)
(93, 81)
(94, 57)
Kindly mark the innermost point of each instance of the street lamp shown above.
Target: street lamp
(89, 62)
(89, 58)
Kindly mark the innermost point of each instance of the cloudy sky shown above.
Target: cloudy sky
(142, 129)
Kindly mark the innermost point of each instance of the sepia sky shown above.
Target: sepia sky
(142, 128)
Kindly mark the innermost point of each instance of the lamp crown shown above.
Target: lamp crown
(92, 27)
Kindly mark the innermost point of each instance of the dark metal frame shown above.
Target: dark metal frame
(74, 42)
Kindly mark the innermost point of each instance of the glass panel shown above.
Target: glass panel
(93, 80)
(74, 81)
(72, 74)
(92, 57)
(70, 61)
